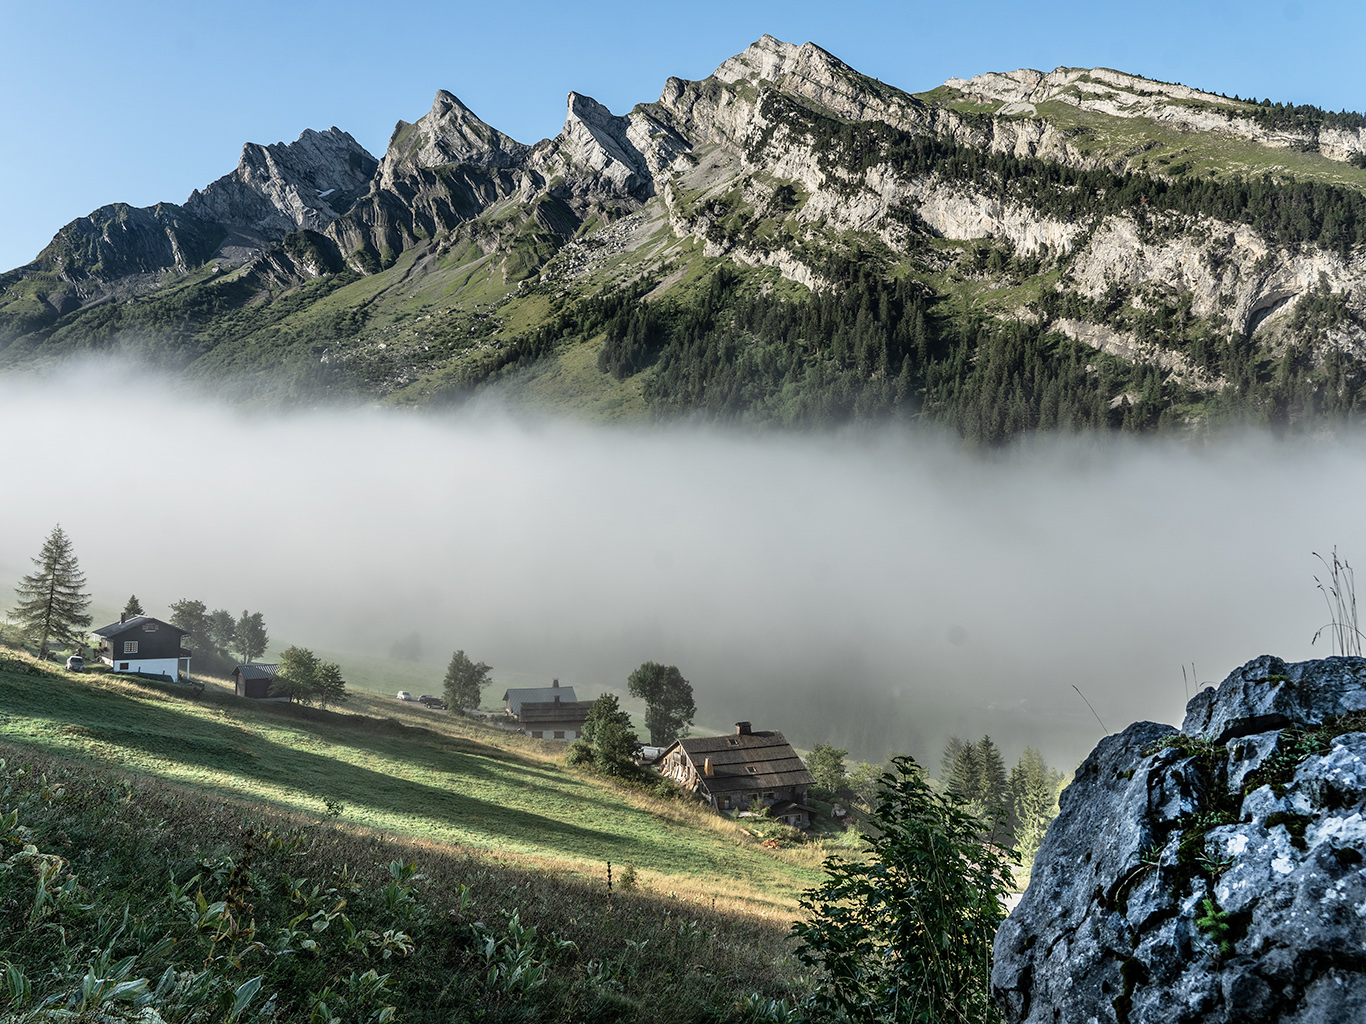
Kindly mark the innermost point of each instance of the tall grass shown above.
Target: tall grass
(126, 891)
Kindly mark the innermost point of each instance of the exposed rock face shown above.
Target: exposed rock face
(1119, 95)
(122, 241)
(284, 187)
(1212, 875)
(450, 133)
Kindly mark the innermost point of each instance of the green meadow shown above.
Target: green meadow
(403, 771)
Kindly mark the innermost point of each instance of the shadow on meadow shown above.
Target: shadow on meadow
(158, 729)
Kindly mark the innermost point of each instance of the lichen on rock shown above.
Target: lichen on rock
(1214, 874)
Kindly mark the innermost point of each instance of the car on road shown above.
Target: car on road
(404, 695)
(435, 703)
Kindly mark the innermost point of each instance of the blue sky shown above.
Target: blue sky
(140, 101)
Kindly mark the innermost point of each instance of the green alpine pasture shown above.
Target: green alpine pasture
(398, 770)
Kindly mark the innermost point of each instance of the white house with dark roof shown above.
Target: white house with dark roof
(746, 769)
(143, 645)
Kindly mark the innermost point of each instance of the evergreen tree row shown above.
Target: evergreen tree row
(1019, 804)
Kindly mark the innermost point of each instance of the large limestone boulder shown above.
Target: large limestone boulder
(1214, 874)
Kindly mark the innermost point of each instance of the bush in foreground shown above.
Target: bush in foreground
(905, 934)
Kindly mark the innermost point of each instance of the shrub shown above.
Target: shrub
(905, 934)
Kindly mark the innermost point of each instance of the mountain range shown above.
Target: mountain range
(787, 241)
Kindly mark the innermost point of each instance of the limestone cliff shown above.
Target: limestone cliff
(281, 188)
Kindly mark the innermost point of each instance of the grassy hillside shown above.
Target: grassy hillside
(217, 839)
(401, 770)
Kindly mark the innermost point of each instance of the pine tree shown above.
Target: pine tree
(133, 607)
(1033, 790)
(52, 605)
(948, 759)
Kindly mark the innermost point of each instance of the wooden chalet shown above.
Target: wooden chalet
(748, 769)
(554, 719)
(253, 680)
(142, 645)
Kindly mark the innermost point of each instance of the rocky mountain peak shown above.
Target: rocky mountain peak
(283, 187)
(601, 151)
(449, 133)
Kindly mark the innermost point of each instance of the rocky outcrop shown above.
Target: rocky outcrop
(1117, 94)
(1211, 875)
(122, 241)
(282, 188)
(449, 133)
(599, 153)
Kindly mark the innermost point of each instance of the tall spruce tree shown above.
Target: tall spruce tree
(133, 607)
(52, 602)
(1033, 789)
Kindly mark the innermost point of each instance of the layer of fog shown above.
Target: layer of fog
(874, 591)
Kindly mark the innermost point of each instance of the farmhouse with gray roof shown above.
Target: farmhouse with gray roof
(746, 769)
(516, 697)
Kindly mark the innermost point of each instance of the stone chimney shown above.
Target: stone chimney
(706, 766)
(556, 684)
(557, 698)
(123, 617)
(742, 729)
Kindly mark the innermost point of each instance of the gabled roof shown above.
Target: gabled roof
(256, 670)
(539, 711)
(516, 697)
(743, 762)
(135, 622)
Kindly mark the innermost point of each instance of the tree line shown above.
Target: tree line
(53, 610)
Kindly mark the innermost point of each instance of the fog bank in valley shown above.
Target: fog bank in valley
(878, 591)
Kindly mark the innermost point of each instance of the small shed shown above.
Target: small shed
(253, 680)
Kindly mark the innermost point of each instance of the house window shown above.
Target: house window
(751, 769)
(768, 796)
(536, 735)
(123, 666)
(559, 735)
(130, 647)
(732, 743)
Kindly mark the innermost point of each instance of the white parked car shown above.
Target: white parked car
(404, 695)
(75, 663)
